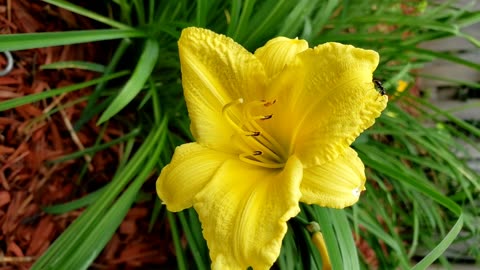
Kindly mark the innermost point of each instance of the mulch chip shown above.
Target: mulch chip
(30, 140)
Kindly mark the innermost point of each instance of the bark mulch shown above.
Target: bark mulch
(33, 135)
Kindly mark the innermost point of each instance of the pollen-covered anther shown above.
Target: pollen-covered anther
(262, 117)
(268, 103)
(266, 117)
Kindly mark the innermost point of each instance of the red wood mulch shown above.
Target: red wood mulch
(28, 141)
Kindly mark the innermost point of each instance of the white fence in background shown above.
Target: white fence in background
(451, 96)
(448, 95)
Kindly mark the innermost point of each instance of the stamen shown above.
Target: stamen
(243, 122)
(262, 117)
(230, 120)
(263, 163)
(269, 103)
(241, 131)
(265, 139)
(230, 104)
(254, 134)
(266, 117)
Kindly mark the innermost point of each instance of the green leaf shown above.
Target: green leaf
(345, 239)
(201, 262)
(93, 108)
(86, 252)
(75, 64)
(15, 42)
(442, 246)
(76, 204)
(140, 75)
(331, 241)
(180, 252)
(12, 103)
(87, 13)
(79, 240)
(96, 148)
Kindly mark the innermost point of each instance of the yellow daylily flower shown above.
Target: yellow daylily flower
(272, 129)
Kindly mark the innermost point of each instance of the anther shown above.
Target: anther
(265, 117)
(269, 103)
(257, 153)
(254, 133)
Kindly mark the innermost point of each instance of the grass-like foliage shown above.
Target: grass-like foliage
(419, 196)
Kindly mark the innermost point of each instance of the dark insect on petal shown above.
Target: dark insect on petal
(379, 86)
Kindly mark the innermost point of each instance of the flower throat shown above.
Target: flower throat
(256, 145)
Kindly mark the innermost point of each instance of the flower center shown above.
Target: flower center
(257, 147)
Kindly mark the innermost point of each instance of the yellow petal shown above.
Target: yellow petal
(216, 71)
(244, 210)
(279, 52)
(191, 168)
(328, 98)
(335, 184)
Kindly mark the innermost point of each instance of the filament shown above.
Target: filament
(261, 147)
(264, 163)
